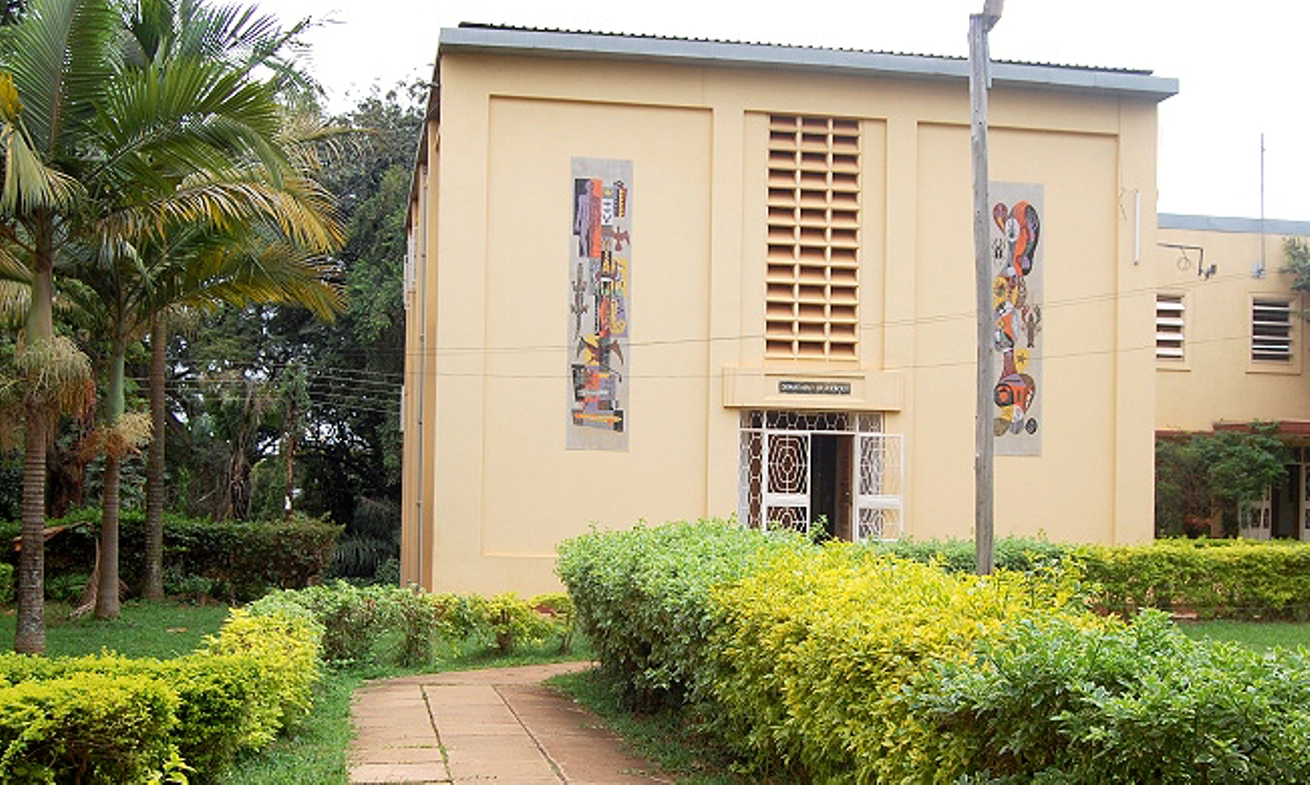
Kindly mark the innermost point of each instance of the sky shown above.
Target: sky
(1242, 67)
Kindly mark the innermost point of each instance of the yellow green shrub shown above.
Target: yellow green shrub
(86, 728)
(234, 694)
(815, 648)
(643, 598)
(284, 646)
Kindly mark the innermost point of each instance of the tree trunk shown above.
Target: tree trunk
(39, 328)
(107, 601)
(154, 577)
(107, 596)
(291, 463)
(30, 635)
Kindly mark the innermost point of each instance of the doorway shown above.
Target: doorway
(830, 474)
(830, 483)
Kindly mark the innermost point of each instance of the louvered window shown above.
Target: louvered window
(814, 238)
(1169, 324)
(1271, 330)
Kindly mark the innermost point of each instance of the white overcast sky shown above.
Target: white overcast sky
(1243, 67)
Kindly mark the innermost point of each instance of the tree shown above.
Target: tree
(1211, 473)
(228, 389)
(99, 147)
(54, 69)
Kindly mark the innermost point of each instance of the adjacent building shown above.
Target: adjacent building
(1231, 350)
(655, 279)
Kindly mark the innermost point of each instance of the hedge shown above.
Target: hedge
(1053, 701)
(1212, 578)
(237, 561)
(1207, 577)
(643, 598)
(111, 719)
(384, 625)
(843, 664)
(814, 648)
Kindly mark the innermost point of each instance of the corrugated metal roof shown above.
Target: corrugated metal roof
(611, 34)
(720, 54)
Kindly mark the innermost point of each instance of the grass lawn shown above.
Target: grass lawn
(1255, 635)
(145, 629)
(313, 753)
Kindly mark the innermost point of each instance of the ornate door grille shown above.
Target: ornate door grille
(776, 471)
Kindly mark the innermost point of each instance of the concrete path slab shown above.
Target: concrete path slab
(494, 725)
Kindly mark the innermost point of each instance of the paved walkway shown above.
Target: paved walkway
(496, 725)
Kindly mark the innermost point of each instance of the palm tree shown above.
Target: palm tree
(250, 227)
(93, 147)
(161, 32)
(55, 68)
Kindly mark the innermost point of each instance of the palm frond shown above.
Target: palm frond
(62, 65)
(28, 182)
(14, 298)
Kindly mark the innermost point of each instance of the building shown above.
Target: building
(1231, 348)
(656, 279)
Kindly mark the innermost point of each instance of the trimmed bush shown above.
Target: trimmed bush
(1054, 701)
(370, 624)
(286, 647)
(814, 649)
(87, 728)
(842, 663)
(643, 598)
(1017, 554)
(234, 694)
(1212, 578)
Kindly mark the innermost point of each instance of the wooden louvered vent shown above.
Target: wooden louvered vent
(814, 238)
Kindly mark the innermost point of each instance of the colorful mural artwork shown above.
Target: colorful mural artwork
(600, 270)
(1018, 263)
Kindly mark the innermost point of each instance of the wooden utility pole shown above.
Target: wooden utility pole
(984, 435)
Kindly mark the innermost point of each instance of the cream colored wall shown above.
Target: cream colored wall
(1092, 423)
(1218, 380)
(506, 489)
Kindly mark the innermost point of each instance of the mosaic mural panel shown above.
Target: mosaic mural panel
(600, 271)
(1018, 266)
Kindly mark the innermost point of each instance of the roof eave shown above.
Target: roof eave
(716, 53)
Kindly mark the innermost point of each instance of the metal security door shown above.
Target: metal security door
(880, 478)
(787, 481)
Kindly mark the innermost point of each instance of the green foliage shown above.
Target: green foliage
(1183, 499)
(1210, 472)
(559, 608)
(88, 727)
(287, 647)
(847, 663)
(6, 583)
(643, 598)
(1212, 578)
(373, 624)
(231, 560)
(814, 649)
(1017, 554)
(130, 717)
(514, 622)
(389, 625)
(1297, 251)
(1056, 701)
